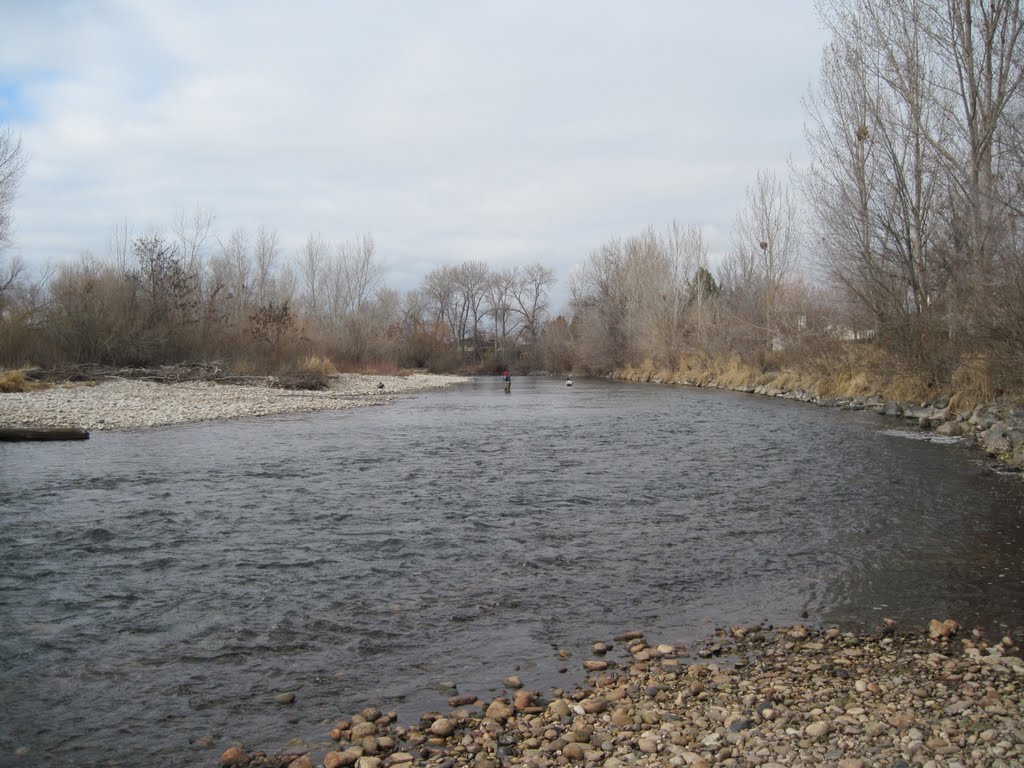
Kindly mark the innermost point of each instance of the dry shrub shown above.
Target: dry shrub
(246, 367)
(734, 373)
(788, 380)
(973, 380)
(317, 364)
(16, 381)
(645, 371)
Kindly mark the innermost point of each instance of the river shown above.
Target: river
(158, 588)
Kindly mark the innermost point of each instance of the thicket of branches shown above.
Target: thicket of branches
(915, 190)
(187, 294)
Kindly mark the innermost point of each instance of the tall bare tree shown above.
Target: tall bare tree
(266, 253)
(765, 247)
(193, 231)
(313, 265)
(12, 168)
(530, 288)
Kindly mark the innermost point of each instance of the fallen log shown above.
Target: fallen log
(18, 434)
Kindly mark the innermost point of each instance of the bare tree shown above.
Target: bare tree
(313, 264)
(500, 291)
(235, 253)
(193, 230)
(443, 298)
(471, 282)
(12, 168)
(362, 271)
(915, 138)
(682, 294)
(619, 300)
(530, 290)
(120, 246)
(980, 44)
(266, 253)
(765, 245)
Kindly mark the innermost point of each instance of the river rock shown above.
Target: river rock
(593, 705)
(443, 726)
(361, 730)
(234, 756)
(995, 441)
(285, 698)
(942, 629)
(343, 758)
(499, 710)
(524, 699)
(901, 721)
(559, 708)
(574, 750)
(513, 681)
(301, 762)
(818, 729)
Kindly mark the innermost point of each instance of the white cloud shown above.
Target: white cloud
(502, 131)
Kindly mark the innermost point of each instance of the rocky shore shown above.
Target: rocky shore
(997, 428)
(749, 696)
(120, 404)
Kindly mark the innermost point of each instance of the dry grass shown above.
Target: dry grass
(973, 381)
(317, 364)
(851, 370)
(16, 381)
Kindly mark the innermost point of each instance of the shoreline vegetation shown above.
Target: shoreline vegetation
(747, 696)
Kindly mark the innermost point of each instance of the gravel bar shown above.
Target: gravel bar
(125, 404)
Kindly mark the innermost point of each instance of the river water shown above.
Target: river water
(159, 588)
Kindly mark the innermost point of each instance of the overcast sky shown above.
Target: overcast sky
(451, 130)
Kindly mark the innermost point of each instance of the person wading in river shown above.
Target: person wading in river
(508, 380)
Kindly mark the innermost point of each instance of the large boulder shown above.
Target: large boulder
(891, 408)
(995, 441)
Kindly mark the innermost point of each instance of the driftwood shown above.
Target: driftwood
(19, 434)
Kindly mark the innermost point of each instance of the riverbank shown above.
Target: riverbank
(749, 696)
(124, 404)
(996, 427)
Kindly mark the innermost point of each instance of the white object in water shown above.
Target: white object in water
(568, 382)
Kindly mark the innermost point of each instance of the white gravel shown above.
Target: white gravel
(128, 404)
